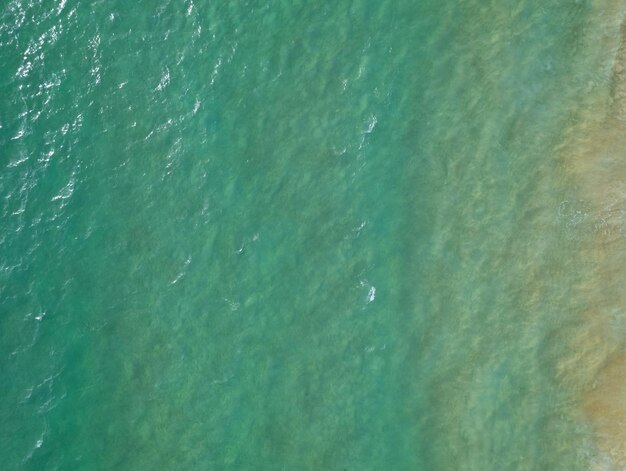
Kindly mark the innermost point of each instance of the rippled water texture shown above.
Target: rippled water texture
(348, 235)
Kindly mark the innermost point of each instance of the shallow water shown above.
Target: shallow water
(371, 235)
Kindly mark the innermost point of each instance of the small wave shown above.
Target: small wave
(371, 291)
(165, 80)
(37, 445)
(371, 124)
(67, 190)
(371, 295)
(14, 163)
(182, 273)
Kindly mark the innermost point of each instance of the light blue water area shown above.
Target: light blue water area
(285, 235)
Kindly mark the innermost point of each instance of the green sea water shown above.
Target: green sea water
(291, 235)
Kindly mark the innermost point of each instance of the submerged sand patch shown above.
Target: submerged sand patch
(594, 157)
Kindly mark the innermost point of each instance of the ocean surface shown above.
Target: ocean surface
(312, 235)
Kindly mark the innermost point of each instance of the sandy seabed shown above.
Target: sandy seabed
(593, 155)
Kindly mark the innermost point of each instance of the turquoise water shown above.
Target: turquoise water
(294, 235)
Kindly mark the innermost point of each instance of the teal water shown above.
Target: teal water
(290, 235)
